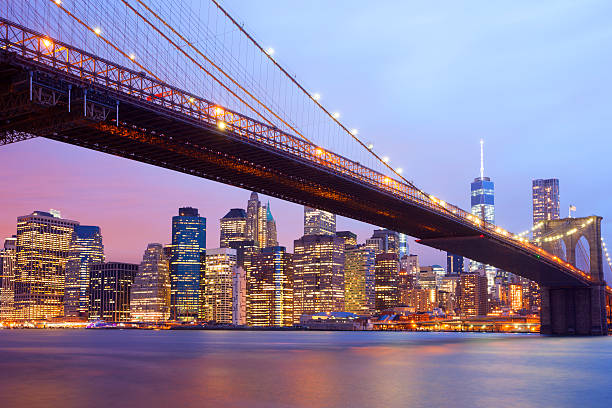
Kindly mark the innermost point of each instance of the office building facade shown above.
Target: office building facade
(109, 291)
(150, 293)
(232, 227)
(319, 222)
(219, 275)
(359, 280)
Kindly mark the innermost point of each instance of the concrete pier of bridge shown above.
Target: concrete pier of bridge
(575, 310)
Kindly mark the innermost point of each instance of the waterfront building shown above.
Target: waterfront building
(43, 246)
(318, 275)
(239, 296)
(109, 291)
(150, 292)
(386, 281)
(270, 288)
(8, 266)
(454, 264)
(448, 293)
(86, 249)
(473, 294)
(188, 249)
(219, 274)
(319, 222)
(252, 218)
(429, 278)
(546, 202)
(350, 238)
(406, 282)
(359, 280)
(483, 206)
(515, 291)
(422, 300)
(233, 227)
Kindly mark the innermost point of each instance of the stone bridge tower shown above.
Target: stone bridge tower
(575, 310)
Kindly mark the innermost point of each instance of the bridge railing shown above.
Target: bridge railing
(140, 88)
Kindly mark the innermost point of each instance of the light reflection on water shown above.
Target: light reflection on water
(80, 368)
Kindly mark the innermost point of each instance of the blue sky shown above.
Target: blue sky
(423, 80)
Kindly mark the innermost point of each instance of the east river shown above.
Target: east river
(137, 368)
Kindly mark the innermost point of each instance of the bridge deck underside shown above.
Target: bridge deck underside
(166, 139)
(493, 252)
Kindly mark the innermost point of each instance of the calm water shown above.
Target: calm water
(81, 368)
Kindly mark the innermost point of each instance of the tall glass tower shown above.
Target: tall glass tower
(546, 204)
(188, 248)
(483, 206)
(86, 250)
(319, 222)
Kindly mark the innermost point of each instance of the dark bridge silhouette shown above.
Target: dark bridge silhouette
(54, 90)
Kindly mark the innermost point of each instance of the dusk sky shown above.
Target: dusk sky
(425, 81)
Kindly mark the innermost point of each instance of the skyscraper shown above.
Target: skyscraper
(270, 288)
(359, 293)
(219, 277)
(252, 220)
(386, 281)
(386, 241)
(546, 204)
(150, 293)
(271, 238)
(260, 224)
(483, 206)
(473, 294)
(86, 250)
(233, 227)
(318, 284)
(109, 291)
(43, 246)
(8, 266)
(403, 245)
(454, 264)
(319, 222)
(188, 248)
(350, 238)
(239, 296)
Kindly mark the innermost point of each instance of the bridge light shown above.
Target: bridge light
(354, 132)
(399, 170)
(316, 96)
(370, 146)
(97, 30)
(385, 159)
(270, 51)
(192, 99)
(132, 56)
(219, 111)
(336, 115)
(221, 125)
(387, 180)
(58, 2)
(48, 43)
(319, 151)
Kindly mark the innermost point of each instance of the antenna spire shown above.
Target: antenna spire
(481, 159)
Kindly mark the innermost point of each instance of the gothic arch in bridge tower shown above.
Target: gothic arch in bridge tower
(570, 231)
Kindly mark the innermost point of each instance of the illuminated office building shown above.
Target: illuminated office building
(359, 293)
(86, 250)
(188, 248)
(454, 264)
(150, 293)
(384, 240)
(350, 238)
(483, 206)
(270, 288)
(319, 222)
(260, 224)
(386, 277)
(546, 203)
(403, 248)
(109, 291)
(473, 298)
(410, 264)
(219, 275)
(233, 227)
(516, 297)
(43, 246)
(239, 296)
(318, 275)
(8, 266)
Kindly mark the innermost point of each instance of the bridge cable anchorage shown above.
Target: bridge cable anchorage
(180, 49)
(315, 98)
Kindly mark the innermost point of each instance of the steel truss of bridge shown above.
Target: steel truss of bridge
(54, 90)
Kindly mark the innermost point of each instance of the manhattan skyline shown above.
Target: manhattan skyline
(444, 90)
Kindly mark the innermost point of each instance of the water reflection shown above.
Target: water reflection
(72, 368)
